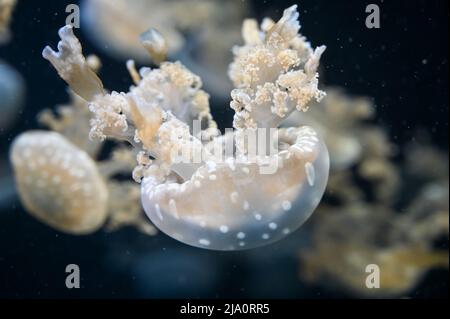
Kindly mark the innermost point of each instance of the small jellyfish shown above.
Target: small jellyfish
(194, 186)
(44, 163)
(12, 89)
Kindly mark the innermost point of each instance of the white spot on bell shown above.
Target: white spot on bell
(224, 229)
(204, 242)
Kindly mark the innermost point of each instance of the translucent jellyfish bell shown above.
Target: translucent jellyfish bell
(234, 206)
(58, 183)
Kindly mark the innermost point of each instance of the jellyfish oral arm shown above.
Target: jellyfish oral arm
(72, 66)
(117, 115)
(274, 73)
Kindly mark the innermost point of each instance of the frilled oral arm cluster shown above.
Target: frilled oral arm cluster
(274, 73)
(204, 200)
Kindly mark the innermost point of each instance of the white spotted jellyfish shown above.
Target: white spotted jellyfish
(220, 194)
(59, 183)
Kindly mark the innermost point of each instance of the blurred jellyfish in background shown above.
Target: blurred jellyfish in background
(378, 211)
(12, 86)
(339, 119)
(194, 187)
(354, 236)
(60, 182)
(191, 28)
(379, 208)
(6, 10)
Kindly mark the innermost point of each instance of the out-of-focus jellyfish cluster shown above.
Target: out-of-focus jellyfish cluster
(6, 10)
(116, 26)
(218, 195)
(61, 183)
(377, 211)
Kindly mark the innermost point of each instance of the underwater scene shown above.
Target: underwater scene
(209, 149)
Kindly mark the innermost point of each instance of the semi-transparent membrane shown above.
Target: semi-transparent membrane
(221, 201)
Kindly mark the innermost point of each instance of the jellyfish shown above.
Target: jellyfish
(175, 274)
(12, 85)
(202, 188)
(62, 186)
(356, 235)
(6, 10)
(378, 224)
(61, 183)
(12, 91)
(118, 25)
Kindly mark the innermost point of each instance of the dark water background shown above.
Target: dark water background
(403, 66)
